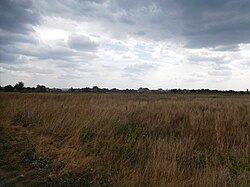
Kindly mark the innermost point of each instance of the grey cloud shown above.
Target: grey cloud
(69, 76)
(226, 48)
(221, 67)
(86, 70)
(91, 1)
(212, 23)
(44, 52)
(7, 38)
(28, 69)
(244, 62)
(53, 53)
(124, 17)
(197, 58)
(140, 33)
(67, 65)
(82, 42)
(197, 74)
(221, 70)
(114, 46)
(18, 16)
(201, 23)
(220, 73)
(128, 5)
(81, 10)
(7, 58)
(140, 67)
(126, 20)
(59, 53)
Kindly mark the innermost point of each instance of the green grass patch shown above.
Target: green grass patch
(235, 166)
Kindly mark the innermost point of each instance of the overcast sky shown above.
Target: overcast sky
(126, 43)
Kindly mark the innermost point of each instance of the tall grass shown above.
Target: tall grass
(139, 140)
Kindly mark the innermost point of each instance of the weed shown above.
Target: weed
(235, 166)
(200, 160)
(125, 153)
(87, 135)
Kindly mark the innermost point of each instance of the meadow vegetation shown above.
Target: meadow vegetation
(127, 139)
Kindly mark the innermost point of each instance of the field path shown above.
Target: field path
(13, 170)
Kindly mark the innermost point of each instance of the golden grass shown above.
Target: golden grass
(139, 140)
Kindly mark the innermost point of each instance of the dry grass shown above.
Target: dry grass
(138, 140)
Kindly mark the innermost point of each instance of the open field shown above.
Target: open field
(124, 140)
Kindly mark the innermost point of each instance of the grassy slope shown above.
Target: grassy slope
(134, 140)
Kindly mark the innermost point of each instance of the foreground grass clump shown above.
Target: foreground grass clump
(132, 140)
(87, 135)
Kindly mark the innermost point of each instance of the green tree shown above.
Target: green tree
(40, 88)
(8, 88)
(19, 86)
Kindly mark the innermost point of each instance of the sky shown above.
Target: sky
(122, 44)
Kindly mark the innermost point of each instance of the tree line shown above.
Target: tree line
(19, 87)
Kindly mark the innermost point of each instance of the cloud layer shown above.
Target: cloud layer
(126, 43)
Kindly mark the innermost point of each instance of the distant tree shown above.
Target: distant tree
(8, 88)
(104, 90)
(19, 86)
(86, 89)
(40, 88)
(29, 89)
(95, 89)
(114, 90)
(143, 90)
(71, 90)
(55, 90)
